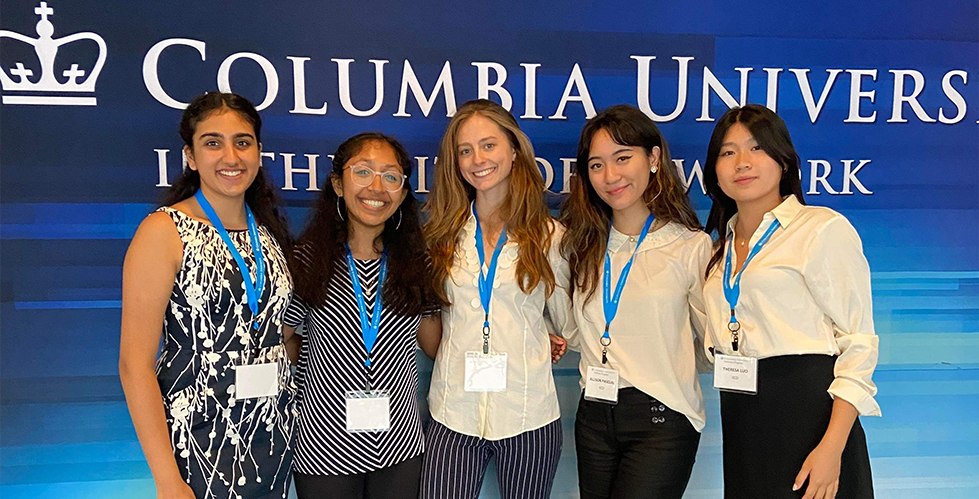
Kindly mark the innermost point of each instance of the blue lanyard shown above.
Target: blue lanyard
(611, 301)
(486, 281)
(369, 328)
(733, 292)
(252, 290)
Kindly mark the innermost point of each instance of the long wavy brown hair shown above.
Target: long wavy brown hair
(587, 217)
(524, 212)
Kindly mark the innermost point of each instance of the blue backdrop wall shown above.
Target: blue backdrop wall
(881, 99)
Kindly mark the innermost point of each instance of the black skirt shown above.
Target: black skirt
(768, 436)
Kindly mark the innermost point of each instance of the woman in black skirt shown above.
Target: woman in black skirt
(790, 322)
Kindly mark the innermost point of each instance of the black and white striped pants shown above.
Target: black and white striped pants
(455, 463)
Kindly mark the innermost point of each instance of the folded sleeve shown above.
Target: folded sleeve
(838, 276)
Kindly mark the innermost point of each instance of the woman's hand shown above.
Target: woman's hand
(559, 346)
(823, 464)
(823, 469)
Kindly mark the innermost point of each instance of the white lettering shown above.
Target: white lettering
(850, 176)
(309, 170)
(576, 80)
(856, 94)
(151, 78)
(711, 83)
(642, 88)
(271, 78)
(802, 75)
(771, 99)
(695, 171)
(483, 87)
(954, 96)
(299, 87)
(814, 176)
(530, 91)
(897, 111)
(409, 80)
(343, 84)
(567, 167)
(422, 174)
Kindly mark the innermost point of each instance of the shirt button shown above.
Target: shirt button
(632, 239)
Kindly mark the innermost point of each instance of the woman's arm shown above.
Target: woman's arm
(151, 265)
(430, 334)
(838, 277)
(293, 343)
(823, 464)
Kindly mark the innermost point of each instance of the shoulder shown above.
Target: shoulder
(822, 222)
(817, 217)
(157, 238)
(159, 226)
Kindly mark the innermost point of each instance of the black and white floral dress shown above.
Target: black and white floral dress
(226, 448)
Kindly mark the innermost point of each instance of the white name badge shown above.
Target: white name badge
(368, 411)
(485, 372)
(735, 373)
(602, 385)
(256, 380)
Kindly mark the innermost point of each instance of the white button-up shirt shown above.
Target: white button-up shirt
(659, 328)
(806, 292)
(518, 328)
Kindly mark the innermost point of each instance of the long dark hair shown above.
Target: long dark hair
(260, 196)
(772, 136)
(320, 247)
(587, 216)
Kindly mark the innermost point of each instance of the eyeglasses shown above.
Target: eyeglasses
(364, 176)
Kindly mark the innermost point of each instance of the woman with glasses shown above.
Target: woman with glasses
(363, 296)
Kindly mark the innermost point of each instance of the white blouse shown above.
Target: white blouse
(658, 331)
(518, 328)
(806, 292)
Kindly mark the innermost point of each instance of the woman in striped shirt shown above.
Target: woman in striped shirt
(360, 435)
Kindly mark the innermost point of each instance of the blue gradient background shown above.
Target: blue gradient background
(76, 181)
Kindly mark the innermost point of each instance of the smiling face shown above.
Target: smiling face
(484, 155)
(745, 172)
(226, 154)
(618, 173)
(370, 205)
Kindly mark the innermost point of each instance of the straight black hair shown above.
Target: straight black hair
(771, 134)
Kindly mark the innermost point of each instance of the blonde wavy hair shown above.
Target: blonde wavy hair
(524, 211)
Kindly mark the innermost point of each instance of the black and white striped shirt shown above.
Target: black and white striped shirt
(331, 363)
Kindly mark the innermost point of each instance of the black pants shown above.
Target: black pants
(636, 449)
(394, 482)
(768, 436)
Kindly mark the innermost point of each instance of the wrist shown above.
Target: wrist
(170, 481)
(835, 445)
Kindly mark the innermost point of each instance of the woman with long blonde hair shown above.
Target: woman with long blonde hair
(496, 266)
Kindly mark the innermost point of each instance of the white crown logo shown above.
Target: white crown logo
(47, 48)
